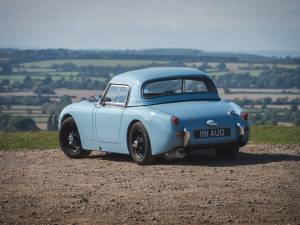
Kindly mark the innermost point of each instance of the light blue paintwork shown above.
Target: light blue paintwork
(106, 127)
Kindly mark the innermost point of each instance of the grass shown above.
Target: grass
(28, 140)
(93, 62)
(275, 135)
(49, 140)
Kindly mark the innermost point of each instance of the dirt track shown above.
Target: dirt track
(262, 186)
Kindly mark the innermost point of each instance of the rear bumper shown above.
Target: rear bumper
(241, 139)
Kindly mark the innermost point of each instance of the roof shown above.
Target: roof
(137, 77)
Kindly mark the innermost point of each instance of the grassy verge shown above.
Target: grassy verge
(49, 140)
(275, 135)
(28, 140)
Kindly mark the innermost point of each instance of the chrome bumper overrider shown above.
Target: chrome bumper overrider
(186, 137)
(241, 129)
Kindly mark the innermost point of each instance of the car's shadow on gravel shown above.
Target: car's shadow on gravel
(208, 158)
(243, 159)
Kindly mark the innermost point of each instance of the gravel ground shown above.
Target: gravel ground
(261, 186)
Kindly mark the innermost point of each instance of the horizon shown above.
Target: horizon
(266, 53)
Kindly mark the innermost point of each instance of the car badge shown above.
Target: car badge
(211, 123)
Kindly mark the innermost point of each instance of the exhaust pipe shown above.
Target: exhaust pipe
(177, 153)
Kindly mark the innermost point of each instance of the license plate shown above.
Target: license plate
(206, 133)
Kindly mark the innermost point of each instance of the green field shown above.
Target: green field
(275, 135)
(92, 62)
(28, 140)
(234, 67)
(49, 140)
(20, 77)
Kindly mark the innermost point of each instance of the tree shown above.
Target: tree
(27, 82)
(5, 68)
(222, 66)
(43, 89)
(23, 124)
(297, 120)
(17, 123)
(52, 123)
(294, 107)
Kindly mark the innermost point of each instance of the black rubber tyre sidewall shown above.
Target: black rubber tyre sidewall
(147, 157)
(67, 125)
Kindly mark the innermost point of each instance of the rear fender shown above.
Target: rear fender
(161, 132)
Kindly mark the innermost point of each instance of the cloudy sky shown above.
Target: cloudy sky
(216, 25)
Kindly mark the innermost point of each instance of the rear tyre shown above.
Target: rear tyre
(230, 151)
(139, 144)
(69, 139)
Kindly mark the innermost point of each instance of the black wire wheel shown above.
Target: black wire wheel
(69, 139)
(139, 144)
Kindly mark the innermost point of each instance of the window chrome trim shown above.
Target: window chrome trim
(117, 103)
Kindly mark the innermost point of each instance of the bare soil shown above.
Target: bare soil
(261, 186)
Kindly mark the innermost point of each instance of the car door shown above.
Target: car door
(108, 113)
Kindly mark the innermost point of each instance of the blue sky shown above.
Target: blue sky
(215, 25)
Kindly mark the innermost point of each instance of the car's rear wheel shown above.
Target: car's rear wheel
(139, 144)
(69, 139)
(229, 151)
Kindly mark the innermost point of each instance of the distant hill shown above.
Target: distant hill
(175, 54)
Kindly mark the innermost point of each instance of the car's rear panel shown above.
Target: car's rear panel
(208, 122)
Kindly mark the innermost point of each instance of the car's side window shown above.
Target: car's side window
(194, 86)
(116, 94)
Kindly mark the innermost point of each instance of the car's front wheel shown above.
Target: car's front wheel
(69, 139)
(229, 151)
(139, 144)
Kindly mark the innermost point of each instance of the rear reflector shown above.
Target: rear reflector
(244, 115)
(175, 120)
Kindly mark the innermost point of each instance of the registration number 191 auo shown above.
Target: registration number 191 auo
(218, 132)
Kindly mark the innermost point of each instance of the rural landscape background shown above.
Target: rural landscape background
(53, 53)
(36, 84)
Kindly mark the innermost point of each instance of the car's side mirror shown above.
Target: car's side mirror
(97, 98)
(105, 100)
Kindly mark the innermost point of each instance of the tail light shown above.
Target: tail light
(175, 120)
(244, 115)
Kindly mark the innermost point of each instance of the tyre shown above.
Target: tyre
(139, 144)
(229, 151)
(69, 139)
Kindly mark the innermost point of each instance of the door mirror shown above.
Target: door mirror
(105, 99)
(97, 98)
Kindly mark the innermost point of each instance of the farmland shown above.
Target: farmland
(250, 84)
(91, 62)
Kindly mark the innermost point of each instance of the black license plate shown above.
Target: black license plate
(207, 133)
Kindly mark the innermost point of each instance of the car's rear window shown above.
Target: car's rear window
(176, 86)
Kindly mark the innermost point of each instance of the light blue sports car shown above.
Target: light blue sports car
(154, 112)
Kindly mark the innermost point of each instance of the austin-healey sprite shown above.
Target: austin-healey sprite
(154, 112)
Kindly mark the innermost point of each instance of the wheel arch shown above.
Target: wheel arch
(64, 117)
(128, 130)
